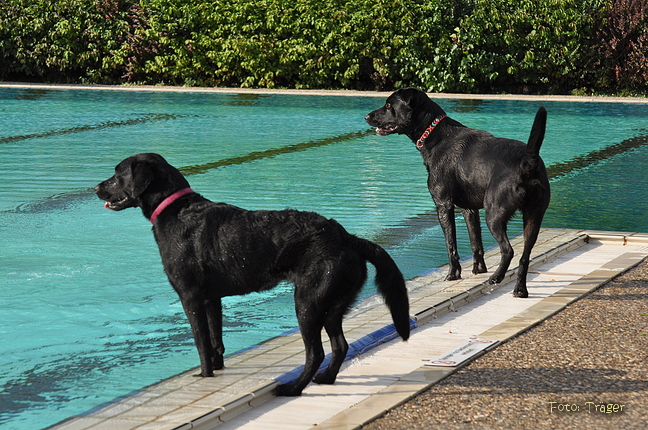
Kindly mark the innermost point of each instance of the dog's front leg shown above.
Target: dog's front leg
(215, 320)
(193, 302)
(474, 232)
(445, 211)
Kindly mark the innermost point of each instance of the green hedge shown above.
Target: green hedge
(297, 43)
(439, 45)
(532, 44)
(73, 40)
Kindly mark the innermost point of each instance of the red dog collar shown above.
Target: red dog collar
(426, 133)
(166, 202)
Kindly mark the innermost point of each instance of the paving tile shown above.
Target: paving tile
(428, 374)
(79, 423)
(114, 410)
(212, 400)
(508, 329)
(160, 425)
(181, 416)
(117, 424)
(149, 411)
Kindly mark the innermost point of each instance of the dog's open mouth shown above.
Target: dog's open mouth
(117, 205)
(384, 131)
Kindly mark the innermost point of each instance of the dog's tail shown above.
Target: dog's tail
(389, 280)
(537, 132)
(531, 161)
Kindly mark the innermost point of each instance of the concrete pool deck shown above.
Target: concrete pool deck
(382, 371)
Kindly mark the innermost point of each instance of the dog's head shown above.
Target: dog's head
(140, 180)
(407, 111)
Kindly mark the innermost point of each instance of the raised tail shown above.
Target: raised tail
(389, 280)
(531, 161)
(537, 132)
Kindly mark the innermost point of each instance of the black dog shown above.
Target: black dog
(212, 250)
(472, 169)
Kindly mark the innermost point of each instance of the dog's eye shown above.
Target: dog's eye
(387, 106)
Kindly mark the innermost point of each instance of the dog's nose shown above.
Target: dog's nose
(97, 188)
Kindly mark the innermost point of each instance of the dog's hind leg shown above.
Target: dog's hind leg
(340, 348)
(532, 224)
(497, 219)
(474, 232)
(310, 325)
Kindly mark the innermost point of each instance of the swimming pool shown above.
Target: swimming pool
(88, 314)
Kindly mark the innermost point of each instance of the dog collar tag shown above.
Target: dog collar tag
(166, 202)
(426, 133)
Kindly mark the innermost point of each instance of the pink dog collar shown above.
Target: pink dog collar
(426, 133)
(166, 202)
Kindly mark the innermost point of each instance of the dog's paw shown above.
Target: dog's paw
(324, 378)
(479, 267)
(453, 276)
(218, 362)
(205, 375)
(495, 279)
(287, 390)
(523, 294)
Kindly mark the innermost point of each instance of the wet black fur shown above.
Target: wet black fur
(472, 169)
(212, 250)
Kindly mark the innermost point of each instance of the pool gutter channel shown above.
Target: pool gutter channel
(426, 305)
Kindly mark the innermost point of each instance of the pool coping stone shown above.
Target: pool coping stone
(317, 92)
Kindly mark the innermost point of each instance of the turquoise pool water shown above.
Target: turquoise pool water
(88, 314)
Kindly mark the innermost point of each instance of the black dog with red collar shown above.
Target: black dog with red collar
(473, 170)
(212, 250)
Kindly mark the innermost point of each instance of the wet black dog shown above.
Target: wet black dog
(472, 169)
(212, 250)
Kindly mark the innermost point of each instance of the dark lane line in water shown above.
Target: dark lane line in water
(151, 117)
(65, 200)
(391, 234)
(564, 168)
(273, 152)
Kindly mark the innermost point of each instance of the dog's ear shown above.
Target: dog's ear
(141, 176)
(408, 97)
